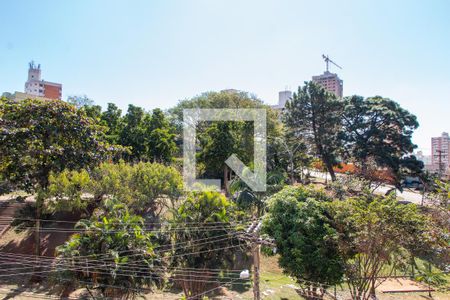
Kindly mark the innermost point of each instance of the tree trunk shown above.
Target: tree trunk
(37, 230)
(330, 170)
(225, 180)
(372, 294)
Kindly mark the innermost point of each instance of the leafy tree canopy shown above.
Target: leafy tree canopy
(161, 144)
(313, 115)
(133, 134)
(374, 233)
(119, 239)
(208, 235)
(38, 137)
(218, 140)
(145, 187)
(112, 118)
(380, 129)
(305, 239)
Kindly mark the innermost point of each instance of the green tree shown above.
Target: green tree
(94, 112)
(238, 134)
(224, 99)
(160, 138)
(133, 133)
(117, 239)
(313, 115)
(38, 137)
(218, 143)
(305, 239)
(112, 118)
(379, 129)
(210, 218)
(374, 234)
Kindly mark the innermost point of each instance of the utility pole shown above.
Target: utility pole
(256, 269)
(251, 235)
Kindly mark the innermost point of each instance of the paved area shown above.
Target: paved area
(407, 194)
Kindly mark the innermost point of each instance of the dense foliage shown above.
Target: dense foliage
(38, 137)
(145, 187)
(104, 255)
(313, 115)
(305, 239)
(218, 140)
(375, 233)
(322, 241)
(65, 154)
(378, 129)
(205, 240)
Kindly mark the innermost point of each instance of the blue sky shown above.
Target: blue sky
(154, 53)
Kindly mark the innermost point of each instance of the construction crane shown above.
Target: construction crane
(328, 60)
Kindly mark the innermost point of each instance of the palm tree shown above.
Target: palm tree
(253, 201)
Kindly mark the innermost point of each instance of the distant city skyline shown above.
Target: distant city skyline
(155, 53)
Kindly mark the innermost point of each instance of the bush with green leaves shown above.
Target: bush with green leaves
(305, 238)
(145, 187)
(104, 255)
(205, 238)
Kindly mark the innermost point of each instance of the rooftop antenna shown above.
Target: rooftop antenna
(328, 60)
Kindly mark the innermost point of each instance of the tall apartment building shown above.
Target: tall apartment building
(37, 87)
(440, 147)
(331, 82)
(283, 97)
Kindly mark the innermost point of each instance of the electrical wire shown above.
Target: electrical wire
(185, 254)
(194, 244)
(85, 264)
(145, 222)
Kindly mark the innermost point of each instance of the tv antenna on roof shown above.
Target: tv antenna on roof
(328, 60)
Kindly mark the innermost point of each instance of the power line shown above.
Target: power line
(185, 254)
(145, 222)
(86, 261)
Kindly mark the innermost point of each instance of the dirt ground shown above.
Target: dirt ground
(23, 242)
(401, 285)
